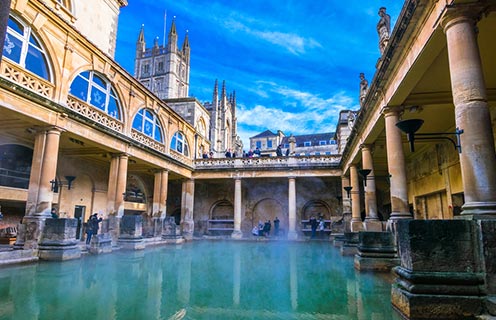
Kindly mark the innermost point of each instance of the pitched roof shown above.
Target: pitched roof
(313, 138)
(266, 133)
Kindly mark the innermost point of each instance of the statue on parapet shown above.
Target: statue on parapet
(383, 29)
(364, 88)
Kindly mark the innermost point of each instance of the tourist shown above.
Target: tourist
(313, 225)
(276, 226)
(205, 155)
(321, 227)
(279, 151)
(54, 214)
(250, 154)
(257, 152)
(260, 228)
(95, 223)
(287, 152)
(211, 154)
(266, 228)
(89, 230)
(255, 231)
(228, 153)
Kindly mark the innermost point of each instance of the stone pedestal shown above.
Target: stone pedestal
(338, 240)
(58, 240)
(170, 231)
(158, 224)
(114, 223)
(101, 243)
(373, 225)
(356, 226)
(440, 276)
(350, 244)
(30, 231)
(131, 233)
(376, 252)
(187, 229)
(237, 234)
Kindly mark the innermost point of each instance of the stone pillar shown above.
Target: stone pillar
(372, 222)
(112, 184)
(292, 235)
(292, 144)
(237, 234)
(356, 220)
(396, 166)
(58, 241)
(160, 193)
(478, 157)
(121, 185)
(40, 194)
(187, 206)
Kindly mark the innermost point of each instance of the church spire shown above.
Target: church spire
(140, 43)
(186, 49)
(172, 44)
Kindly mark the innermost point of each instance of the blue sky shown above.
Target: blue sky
(293, 63)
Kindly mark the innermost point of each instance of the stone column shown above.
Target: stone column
(237, 234)
(160, 193)
(356, 219)
(478, 157)
(187, 206)
(396, 166)
(292, 235)
(346, 199)
(112, 183)
(40, 194)
(372, 222)
(121, 185)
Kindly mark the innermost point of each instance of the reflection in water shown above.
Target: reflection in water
(198, 280)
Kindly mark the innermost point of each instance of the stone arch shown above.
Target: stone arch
(222, 209)
(316, 208)
(269, 209)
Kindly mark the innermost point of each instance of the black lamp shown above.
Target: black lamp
(69, 179)
(411, 126)
(348, 190)
(364, 173)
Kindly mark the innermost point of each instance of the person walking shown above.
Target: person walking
(313, 225)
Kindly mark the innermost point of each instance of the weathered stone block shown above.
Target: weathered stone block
(58, 240)
(350, 244)
(376, 252)
(101, 243)
(440, 276)
(488, 246)
(131, 233)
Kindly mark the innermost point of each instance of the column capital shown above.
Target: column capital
(392, 110)
(369, 146)
(458, 13)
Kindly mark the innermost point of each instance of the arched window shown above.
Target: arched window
(180, 144)
(201, 128)
(147, 122)
(22, 47)
(97, 91)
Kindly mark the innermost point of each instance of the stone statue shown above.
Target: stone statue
(364, 87)
(351, 119)
(383, 29)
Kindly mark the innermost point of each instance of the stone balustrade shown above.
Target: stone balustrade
(269, 162)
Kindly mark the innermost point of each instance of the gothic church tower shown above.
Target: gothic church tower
(164, 70)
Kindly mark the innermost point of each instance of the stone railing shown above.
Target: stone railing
(31, 81)
(181, 158)
(147, 141)
(94, 114)
(269, 162)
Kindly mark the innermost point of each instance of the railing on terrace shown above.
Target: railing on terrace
(27, 79)
(269, 162)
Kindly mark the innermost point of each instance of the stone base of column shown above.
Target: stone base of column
(338, 240)
(158, 226)
(100, 243)
(114, 223)
(170, 232)
(356, 226)
(187, 229)
(237, 234)
(292, 235)
(376, 252)
(350, 244)
(441, 275)
(30, 232)
(58, 241)
(373, 225)
(394, 218)
(479, 210)
(131, 235)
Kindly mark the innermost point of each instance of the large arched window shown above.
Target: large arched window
(180, 144)
(22, 47)
(97, 91)
(147, 122)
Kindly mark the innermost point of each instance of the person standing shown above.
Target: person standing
(279, 151)
(313, 225)
(54, 214)
(276, 226)
(95, 221)
(89, 230)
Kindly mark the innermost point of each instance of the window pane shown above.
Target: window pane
(79, 88)
(12, 48)
(98, 98)
(16, 26)
(113, 109)
(158, 134)
(36, 63)
(148, 128)
(179, 147)
(99, 81)
(138, 121)
(149, 115)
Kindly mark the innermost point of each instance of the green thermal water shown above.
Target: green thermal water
(199, 280)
